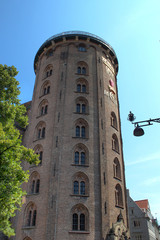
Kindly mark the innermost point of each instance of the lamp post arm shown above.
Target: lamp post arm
(148, 122)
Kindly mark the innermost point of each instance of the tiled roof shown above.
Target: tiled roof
(143, 204)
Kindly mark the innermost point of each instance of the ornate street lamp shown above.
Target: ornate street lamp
(138, 131)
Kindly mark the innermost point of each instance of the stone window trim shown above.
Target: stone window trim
(82, 69)
(43, 108)
(48, 71)
(30, 218)
(118, 196)
(81, 129)
(82, 47)
(117, 169)
(81, 106)
(40, 131)
(34, 183)
(38, 149)
(114, 122)
(80, 155)
(82, 86)
(115, 143)
(79, 219)
(45, 89)
(80, 184)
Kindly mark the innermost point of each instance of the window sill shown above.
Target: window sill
(119, 206)
(38, 139)
(114, 127)
(81, 74)
(32, 194)
(41, 115)
(117, 178)
(79, 232)
(44, 95)
(28, 227)
(39, 165)
(80, 165)
(81, 113)
(81, 92)
(78, 195)
(115, 150)
(80, 138)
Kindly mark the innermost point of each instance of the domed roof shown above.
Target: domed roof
(71, 35)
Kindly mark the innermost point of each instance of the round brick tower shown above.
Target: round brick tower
(78, 190)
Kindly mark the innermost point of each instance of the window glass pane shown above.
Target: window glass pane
(43, 132)
(79, 70)
(82, 158)
(83, 70)
(83, 134)
(77, 131)
(82, 222)
(34, 218)
(46, 109)
(78, 87)
(76, 158)
(37, 186)
(83, 108)
(83, 88)
(78, 108)
(75, 222)
(32, 188)
(29, 218)
(82, 188)
(76, 187)
(48, 89)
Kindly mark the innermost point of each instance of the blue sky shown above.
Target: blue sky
(132, 29)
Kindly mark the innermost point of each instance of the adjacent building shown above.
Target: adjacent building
(141, 222)
(78, 190)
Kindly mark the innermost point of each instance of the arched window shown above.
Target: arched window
(43, 107)
(116, 169)
(118, 196)
(40, 130)
(45, 89)
(80, 184)
(81, 129)
(30, 215)
(115, 144)
(48, 71)
(34, 183)
(82, 85)
(81, 105)
(39, 150)
(114, 120)
(80, 218)
(82, 68)
(80, 155)
(82, 48)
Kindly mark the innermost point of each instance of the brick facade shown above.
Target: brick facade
(74, 124)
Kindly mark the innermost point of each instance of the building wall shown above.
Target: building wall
(141, 224)
(56, 202)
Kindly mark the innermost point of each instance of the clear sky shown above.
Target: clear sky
(132, 28)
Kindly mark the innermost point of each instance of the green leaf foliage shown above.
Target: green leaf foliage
(12, 152)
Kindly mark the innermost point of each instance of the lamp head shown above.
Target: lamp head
(138, 132)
